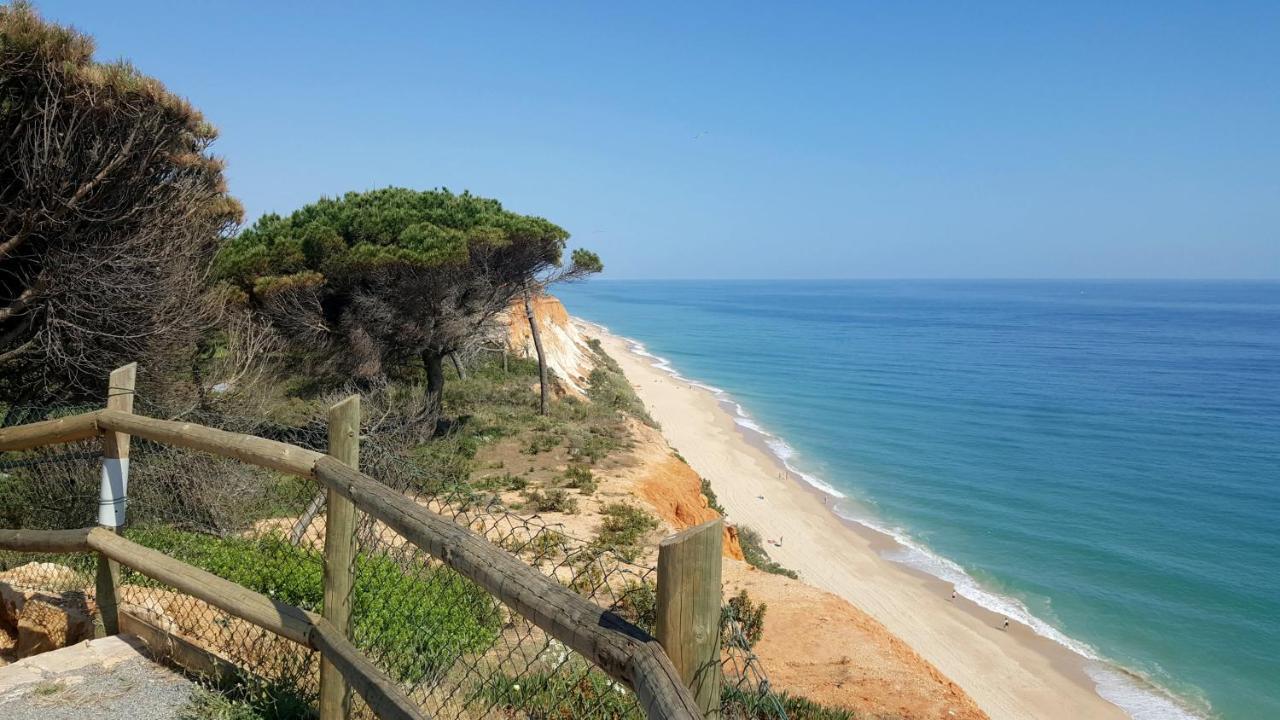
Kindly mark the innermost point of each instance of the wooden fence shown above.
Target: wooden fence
(688, 581)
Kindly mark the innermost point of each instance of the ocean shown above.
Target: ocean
(1100, 459)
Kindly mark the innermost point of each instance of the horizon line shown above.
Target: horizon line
(936, 279)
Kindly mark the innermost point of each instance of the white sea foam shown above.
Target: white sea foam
(779, 448)
(1140, 699)
(1135, 696)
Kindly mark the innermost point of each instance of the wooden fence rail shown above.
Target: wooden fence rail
(621, 650)
(380, 692)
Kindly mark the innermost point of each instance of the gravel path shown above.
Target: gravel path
(104, 679)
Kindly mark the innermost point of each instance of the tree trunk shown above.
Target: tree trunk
(457, 365)
(542, 359)
(434, 363)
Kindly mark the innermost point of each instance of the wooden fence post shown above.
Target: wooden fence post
(689, 598)
(339, 554)
(113, 493)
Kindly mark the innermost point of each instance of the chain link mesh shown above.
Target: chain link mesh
(456, 650)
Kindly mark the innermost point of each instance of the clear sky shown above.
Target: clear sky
(762, 140)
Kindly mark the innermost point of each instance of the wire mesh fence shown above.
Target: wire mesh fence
(456, 650)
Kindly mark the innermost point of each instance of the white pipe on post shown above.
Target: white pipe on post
(113, 500)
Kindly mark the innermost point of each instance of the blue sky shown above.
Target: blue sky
(762, 140)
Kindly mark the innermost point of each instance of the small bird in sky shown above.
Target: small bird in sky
(704, 132)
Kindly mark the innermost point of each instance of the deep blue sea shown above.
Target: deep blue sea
(1101, 458)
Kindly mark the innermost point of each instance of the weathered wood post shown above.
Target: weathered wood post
(113, 492)
(339, 554)
(688, 624)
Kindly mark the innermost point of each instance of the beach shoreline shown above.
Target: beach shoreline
(1017, 673)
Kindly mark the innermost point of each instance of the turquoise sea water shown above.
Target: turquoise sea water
(1101, 459)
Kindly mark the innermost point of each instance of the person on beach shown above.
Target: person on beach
(953, 594)
(1006, 625)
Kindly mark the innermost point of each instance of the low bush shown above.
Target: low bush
(638, 605)
(580, 478)
(623, 529)
(755, 554)
(549, 544)
(749, 617)
(712, 501)
(553, 500)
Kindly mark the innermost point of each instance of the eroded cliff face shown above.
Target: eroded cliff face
(567, 352)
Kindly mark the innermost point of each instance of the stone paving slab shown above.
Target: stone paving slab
(106, 679)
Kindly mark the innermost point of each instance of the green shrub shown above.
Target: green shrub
(712, 501)
(445, 463)
(750, 618)
(580, 478)
(595, 443)
(623, 529)
(414, 620)
(638, 605)
(554, 500)
(754, 553)
(548, 543)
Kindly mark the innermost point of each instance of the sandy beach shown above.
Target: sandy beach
(1013, 674)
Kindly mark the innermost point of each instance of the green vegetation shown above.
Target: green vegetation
(415, 620)
(712, 501)
(750, 618)
(495, 411)
(610, 388)
(624, 529)
(113, 205)
(568, 691)
(754, 553)
(553, 500)
(638, 604)
(739, 704)
(580, 477)
(572, 692)
(367, 285)
(246, 701)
